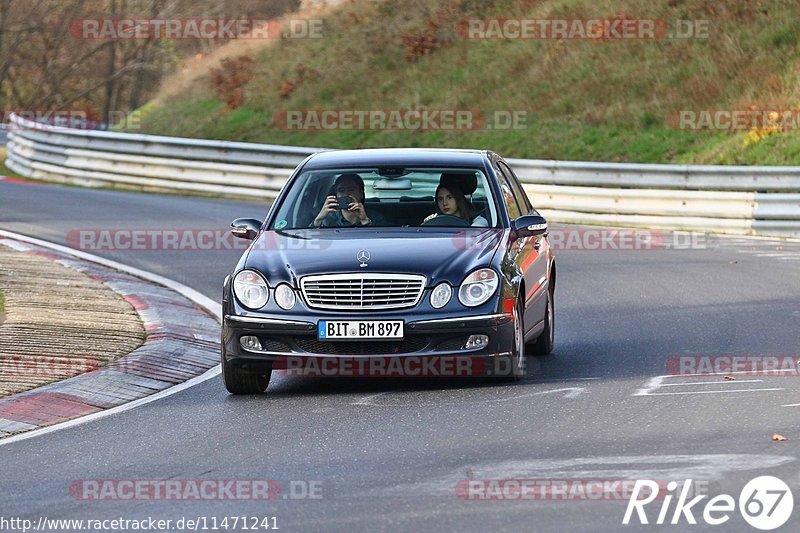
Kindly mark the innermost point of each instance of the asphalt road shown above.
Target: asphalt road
(388, 454)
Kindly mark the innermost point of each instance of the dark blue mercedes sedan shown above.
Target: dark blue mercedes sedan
(390, 262)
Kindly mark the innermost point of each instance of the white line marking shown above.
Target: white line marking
(367, 400)
(571, 392)
(792, 405)
(713, 382)
(737, 372)
(658, 382)
(214, 308)
(576, 391)
(560, 380)
(706, 392)
(652, 383)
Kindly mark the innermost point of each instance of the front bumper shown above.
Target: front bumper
(283, 338)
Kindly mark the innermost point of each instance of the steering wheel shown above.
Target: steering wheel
(446, 220)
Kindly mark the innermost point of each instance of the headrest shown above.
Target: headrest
(466, 181)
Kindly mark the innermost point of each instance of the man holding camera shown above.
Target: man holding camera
(346, 208)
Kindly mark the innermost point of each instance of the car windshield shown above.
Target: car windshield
(396, 197)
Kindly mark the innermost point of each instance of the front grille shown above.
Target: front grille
(410, 344)
(362, 292)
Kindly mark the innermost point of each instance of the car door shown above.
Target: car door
(529, 253)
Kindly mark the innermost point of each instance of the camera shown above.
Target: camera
(345, 201)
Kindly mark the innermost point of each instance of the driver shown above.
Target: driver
(349, 188)
(451, 201)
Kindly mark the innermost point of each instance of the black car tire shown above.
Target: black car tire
(515, 366)
(543, 345)
(239, 381)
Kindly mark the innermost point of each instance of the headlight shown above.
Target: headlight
(251, 289)
(478, 287)
(284, 296)
(441, 295)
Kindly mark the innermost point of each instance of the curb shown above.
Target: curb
(182, 344)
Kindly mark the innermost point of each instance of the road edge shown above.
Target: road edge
(213, 308)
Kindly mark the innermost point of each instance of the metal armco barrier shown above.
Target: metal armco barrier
(725, 199)
(149, 162)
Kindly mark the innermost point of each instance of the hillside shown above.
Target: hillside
(584, 99)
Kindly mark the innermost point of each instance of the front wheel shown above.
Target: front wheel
(514, 366)
(544, 343)
(239, 381)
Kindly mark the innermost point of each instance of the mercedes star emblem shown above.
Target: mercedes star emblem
(363, 257)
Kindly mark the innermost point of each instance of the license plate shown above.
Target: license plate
(359, 329)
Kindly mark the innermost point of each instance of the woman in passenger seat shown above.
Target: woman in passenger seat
(451, 201)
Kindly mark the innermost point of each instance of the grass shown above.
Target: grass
(4, 170)
(584, 99)
(2, 302)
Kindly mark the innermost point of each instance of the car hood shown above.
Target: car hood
(443, 255)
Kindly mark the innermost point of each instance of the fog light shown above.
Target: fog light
(476, 341)
(250, 342)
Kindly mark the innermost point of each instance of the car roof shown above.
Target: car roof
(390, 157)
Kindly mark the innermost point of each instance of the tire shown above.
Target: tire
(543, 345)
(516, 362)
(239, 381)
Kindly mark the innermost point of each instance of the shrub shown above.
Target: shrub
(230, 78)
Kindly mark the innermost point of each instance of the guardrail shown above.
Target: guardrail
(149, 162)
(740, 200)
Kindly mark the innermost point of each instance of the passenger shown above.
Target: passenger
(451, 201)
(347, 186)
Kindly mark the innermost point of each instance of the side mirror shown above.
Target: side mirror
(530, 226)
(246, 228)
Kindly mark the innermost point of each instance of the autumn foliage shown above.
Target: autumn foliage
(230, 78)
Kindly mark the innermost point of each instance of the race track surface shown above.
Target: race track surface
(388, 454)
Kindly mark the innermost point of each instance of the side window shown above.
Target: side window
(522, 197)
(508, 194)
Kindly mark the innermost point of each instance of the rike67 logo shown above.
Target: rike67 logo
(765, 503)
